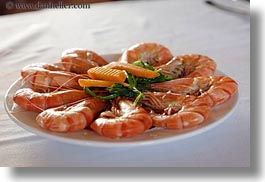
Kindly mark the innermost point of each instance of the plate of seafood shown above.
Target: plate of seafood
(141, 96)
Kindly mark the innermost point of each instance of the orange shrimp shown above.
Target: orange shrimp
(44, 77)
(71, 118)
(80, 60)
(35, 101)
(213, 90)
(46, 66)
(175, 111)
(189, 66)
(151, 53)
(123, 120)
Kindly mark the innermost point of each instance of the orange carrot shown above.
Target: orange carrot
(96, 83)
(133, 69)
(109, 74)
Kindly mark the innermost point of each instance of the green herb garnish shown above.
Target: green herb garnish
(137, 85)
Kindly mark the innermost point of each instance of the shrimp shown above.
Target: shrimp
(213, 90)
(47, 66)
(80, 60)
(35, 101)
(151, 53)
(29, 69)
(71, 118)
(192, 65)
(44, 77)
(123, 120)
(175, 111)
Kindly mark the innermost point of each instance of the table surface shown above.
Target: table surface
(184, 27)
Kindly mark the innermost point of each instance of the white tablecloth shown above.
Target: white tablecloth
(188, 26)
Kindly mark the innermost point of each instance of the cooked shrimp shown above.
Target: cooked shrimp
(214, 89)
(80, 60)
(151, 53)
(47, 66)
(122, 121)
(175, 111)
(31, 68)
(44, 77)
(72, 118)
(192, 65)
(35, 101)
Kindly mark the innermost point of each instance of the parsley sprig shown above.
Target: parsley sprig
(137, 85)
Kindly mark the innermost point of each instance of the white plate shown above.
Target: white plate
(26, 119)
